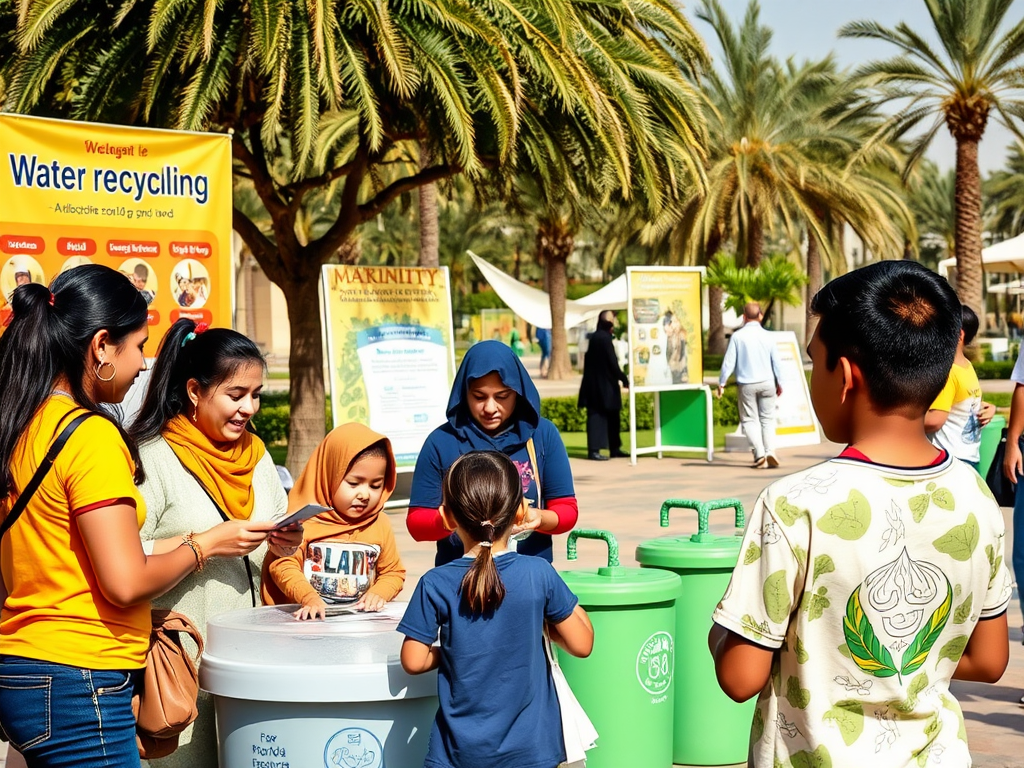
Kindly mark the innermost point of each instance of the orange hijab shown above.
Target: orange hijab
(225, 472)
(324, 472)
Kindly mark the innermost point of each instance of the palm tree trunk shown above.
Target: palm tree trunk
(968, 227)
(813, 282)
(755, 242)
(555, 243)
(306, 366)
(716, 326)
(429, 229)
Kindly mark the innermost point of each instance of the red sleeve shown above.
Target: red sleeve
(424, 524)
(568, 512)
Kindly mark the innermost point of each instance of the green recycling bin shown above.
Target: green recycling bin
(626, 685)
(990, 436)
(710, 728)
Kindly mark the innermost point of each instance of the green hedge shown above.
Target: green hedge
(564, 414)
(994, 370)
(274, 417)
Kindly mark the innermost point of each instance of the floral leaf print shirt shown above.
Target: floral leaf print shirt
(868, 580)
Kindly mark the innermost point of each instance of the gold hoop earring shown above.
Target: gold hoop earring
(113, 371)
(195, 414)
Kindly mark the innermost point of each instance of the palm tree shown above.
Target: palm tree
(973, 75)
(1004, 196)
(780, 136)
(353, 91)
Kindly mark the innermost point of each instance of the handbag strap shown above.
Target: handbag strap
(225, 518)
(42, 471)
(532, 451)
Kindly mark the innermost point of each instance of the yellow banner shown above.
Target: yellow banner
(155, 205)
(390, 351)
(665, 342)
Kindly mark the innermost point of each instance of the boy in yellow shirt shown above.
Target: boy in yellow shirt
(955, 419)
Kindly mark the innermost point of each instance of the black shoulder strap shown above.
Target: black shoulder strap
(41, 472)
(225, 518)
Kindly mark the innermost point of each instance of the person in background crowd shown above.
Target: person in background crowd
(544, 342)
(751, 353)
(599, 391)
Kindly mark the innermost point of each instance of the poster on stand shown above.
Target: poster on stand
(795, 421)
(390, 351)
(666, 357)
(664, 328)
(153, 204)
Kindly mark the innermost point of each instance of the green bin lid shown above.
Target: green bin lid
(679, 552)
(700, 551)
(614, 584)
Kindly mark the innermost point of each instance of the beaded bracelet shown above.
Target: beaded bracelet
(190, 541)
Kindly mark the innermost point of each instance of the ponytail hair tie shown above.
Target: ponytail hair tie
(200, 328)
(50, 302)
(486, 544)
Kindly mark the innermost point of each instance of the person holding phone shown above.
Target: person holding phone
(203, 465)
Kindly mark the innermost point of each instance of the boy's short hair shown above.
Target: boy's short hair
(969, 322)
(899, 322)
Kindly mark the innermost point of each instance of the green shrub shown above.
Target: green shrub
(994, 370)
(271, 423)
(712, 363)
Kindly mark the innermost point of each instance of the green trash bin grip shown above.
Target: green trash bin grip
(703, 508)
(613, 568)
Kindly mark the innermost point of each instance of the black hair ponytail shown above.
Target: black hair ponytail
(49, 337)
(187, 352)
(482, 490)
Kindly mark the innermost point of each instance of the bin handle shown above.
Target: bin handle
(589, 533)
(703, 509)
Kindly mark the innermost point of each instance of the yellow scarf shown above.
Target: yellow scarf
(224, 470)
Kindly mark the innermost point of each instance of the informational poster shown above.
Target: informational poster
(390, 351)
(155, 205)
(666, 357)
(665, 342)
(795, 422)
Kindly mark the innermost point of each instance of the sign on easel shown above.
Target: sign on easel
(666, 358)
(390, 351)
(795, 423)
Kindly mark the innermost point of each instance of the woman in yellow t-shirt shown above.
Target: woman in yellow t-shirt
(75, 623)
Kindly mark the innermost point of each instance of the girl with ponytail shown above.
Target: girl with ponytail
(491, 608)
(204, 466)
(77, 583)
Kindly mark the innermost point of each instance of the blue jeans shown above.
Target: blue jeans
(1017, 557)
(57, 715)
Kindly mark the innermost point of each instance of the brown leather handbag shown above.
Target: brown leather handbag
(165, 700)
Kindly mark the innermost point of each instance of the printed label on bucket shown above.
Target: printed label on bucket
(655, 664)
(354, 748)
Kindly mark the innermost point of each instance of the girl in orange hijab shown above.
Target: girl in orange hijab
(348, 553)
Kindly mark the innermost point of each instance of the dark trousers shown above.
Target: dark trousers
(603, 431)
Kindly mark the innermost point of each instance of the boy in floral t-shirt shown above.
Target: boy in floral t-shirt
(869, 581)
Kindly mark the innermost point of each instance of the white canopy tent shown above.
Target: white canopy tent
(533, 305)
(1004, 257)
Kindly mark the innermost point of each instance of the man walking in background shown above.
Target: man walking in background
(751, 354)
(599, 390)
